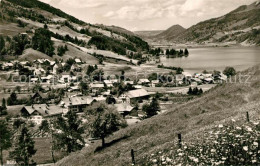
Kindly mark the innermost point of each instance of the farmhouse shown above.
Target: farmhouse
(39, 97)
(124, 108)
(76, 104)
(39, 112)
(133, 95)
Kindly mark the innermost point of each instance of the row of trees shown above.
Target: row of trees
(176, 53)
(195, 91)
(67, 133)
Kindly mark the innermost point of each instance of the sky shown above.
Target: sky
(137, 15)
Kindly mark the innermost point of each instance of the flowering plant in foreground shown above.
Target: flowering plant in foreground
(224, 145)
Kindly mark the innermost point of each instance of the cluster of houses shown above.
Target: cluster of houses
(44, 70)
(42, 108)
(36, 113)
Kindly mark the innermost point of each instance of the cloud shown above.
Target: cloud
(79, 3)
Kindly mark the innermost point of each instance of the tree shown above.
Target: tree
(18, 89)
(12, 100)
(229, 71)
(4, 104)
(44, 127)
(110, 100)
(68, 133)
(104, 120)
(42, 42)
(190, 92)
(186, 52)
(83, 87)
(18, 44)
(2, 43)
(37, 88)
(151, 109)
(23, 147)
(5, 138)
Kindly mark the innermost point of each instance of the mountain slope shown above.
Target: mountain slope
(168, 34)
(217, 106)
(30, 15)
(147, 34)
(171, 32)
(237, 26)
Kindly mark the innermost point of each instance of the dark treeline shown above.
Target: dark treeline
(106, 43)
(179, 70)
(46, 7)
(175, 53)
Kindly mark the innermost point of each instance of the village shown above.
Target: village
(53, 88)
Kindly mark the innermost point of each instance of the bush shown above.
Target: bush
(229, 71)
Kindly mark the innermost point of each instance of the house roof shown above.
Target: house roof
(129, 82)
(44, 109)
(43, 95)
(137, 93)
(97, 85)
(78, 100)
(77, 60)
(143, 81)
(124, 107)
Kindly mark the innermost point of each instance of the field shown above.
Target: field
(11, 29)
(217, 106)
(43, 154)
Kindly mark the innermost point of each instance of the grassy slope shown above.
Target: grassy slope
(31, 55)
(239, 19)
(74, 52)
(216, 106)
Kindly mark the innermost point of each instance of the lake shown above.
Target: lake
(211, 59)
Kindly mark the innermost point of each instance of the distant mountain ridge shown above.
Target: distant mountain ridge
(240, 26)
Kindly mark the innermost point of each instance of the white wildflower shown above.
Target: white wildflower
(180, 154)
(233, 120)
(249, 129)
(213, 150)
(154, 161)
(168, 159)
(220, 126)
(245, 148)
(255, 143)
(195, 160)
(238, 128)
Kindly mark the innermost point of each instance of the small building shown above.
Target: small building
(187, 75)
(108, 83)
(129, 82)
(96, 86)
(78, 61)
(39, 71)
(39, 97)
(154, 83)
(124, 108)
(7, 66)
(34, 80)
(143, 81)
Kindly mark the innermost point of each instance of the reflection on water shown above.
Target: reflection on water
(215, 59)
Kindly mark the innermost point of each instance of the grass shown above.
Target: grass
(216, 106)
(43, 154)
